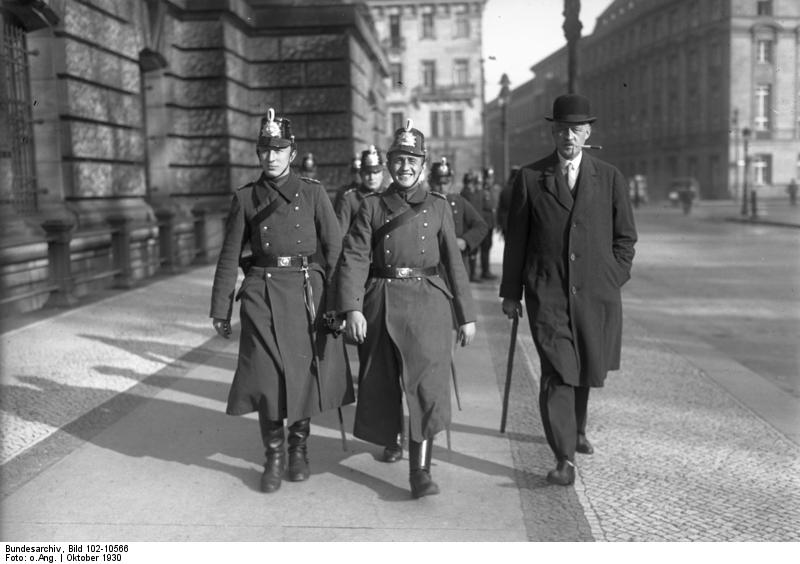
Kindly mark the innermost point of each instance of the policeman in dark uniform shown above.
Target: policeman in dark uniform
(287, 367)
(355, 179)
(371, 175)
(399, 309)
(470, 226)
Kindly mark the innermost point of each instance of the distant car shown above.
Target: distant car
(638, 189)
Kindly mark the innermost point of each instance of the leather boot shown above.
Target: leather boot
(419, 461)
(273, 438)
(298, 450)
(394, 453)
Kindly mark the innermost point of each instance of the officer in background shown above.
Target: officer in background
(399, 309)
(471, 229)
(355, 178)
(287, 368)
(308, 167)
(371, 175)
(471, 193)
(504, 202)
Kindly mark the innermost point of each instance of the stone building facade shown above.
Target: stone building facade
(676, 82)
(139, 119)
(434, 54)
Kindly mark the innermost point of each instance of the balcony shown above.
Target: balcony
(440, 93)
(394, 45)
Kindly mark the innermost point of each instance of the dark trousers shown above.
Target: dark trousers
(486, 246)
(563, 408)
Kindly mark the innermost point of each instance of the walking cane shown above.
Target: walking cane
(455, 379)
(509, 369)
(310, 309)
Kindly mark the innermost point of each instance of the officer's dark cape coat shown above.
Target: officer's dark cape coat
(571, 257)
(275, 353)
(409, 322)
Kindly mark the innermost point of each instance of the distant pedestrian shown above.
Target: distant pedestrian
(791, 189)
(371, 181)
(470, 227)
(399, 309)
(504, 202)
(569, 248)
(288, 368)
(482, 192)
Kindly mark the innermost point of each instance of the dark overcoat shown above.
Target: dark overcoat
(275, 365)
(409, 329)
(347, 204)
(571, 257)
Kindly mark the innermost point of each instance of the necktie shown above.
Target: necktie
(571, 175)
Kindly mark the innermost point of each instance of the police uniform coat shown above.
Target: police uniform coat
(484, 200)
(274, 370)
(409, 330)
(571, 257)
(347, 205)
(468, 223)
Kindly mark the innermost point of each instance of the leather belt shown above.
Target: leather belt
(402, 272)
(273, 261)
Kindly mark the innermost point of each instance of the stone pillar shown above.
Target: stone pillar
(121, 249)
(200, 236)
(166, 239)
(59, 237)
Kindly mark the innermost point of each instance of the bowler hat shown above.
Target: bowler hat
(572, 108)
(371, 160)
(274, 133)
(408, 140)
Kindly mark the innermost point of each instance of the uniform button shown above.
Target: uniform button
(418, 278)
(572, 256)
(388, 236)
(574, 290)
(266, 244)
(297, 208)
(423, 251)
(264, 227)
(424, 211)
(453, 204)
(388, 251)
(423, 237)
(297, 195)
(297, 226)
(387, 221)
(269, 275)
(425, 224)
(299, 241)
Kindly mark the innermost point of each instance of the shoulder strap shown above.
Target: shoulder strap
(267, 211)
(397, 221)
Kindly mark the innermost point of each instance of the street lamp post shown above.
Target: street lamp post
(746, 138)
(572, 31)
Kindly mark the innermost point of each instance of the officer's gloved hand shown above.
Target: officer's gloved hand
(222, 327)
(334, 322)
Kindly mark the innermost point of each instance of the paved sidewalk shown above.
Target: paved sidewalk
(115, 430)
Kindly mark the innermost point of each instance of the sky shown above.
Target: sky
(519, 33)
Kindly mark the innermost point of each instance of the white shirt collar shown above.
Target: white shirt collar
(576, 161)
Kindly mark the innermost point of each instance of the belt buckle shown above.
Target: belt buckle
(284, 261)
(404, 272)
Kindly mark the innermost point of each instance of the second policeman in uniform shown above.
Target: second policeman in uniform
(399, 309)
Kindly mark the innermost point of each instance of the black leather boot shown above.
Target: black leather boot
(298, 450)
(394, 453)
(419, 463)
(273, 438)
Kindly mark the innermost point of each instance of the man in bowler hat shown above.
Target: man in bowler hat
(569, 248)
(288, 367)
(399, 309)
